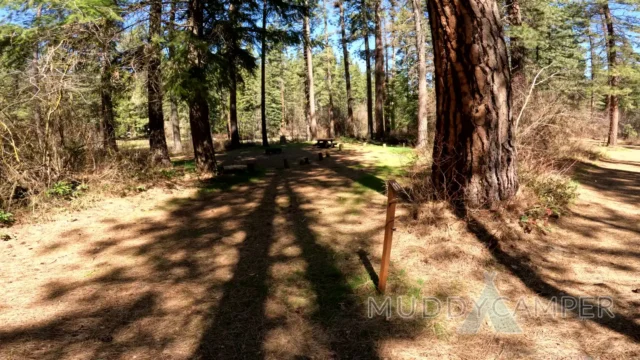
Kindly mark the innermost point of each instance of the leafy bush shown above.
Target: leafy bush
(554, 192)
(60, 189)
(65, 189)
(628, 132)
(6, 218)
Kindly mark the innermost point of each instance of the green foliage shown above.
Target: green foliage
(6, 218)
(65, 189)
(628, 132)
(554, 192)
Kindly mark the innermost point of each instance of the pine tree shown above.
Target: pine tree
(157, 139)
(474, 156)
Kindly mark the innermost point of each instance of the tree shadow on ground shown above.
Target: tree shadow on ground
(197, 282)
(622, 185)
(519, 264)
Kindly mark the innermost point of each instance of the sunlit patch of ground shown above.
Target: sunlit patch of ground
(279, 264)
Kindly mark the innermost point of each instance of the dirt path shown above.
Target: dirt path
(278, 267)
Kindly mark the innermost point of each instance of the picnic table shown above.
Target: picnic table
(325, 143)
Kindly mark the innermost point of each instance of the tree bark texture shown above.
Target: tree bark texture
(157, 139)
(614, 100)
(198, 107)
(474, 156)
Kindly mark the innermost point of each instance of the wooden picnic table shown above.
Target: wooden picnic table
(325, 142)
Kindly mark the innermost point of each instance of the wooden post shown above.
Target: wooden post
(392, 189)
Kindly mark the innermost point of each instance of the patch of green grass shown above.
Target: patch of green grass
(187, 165)
(372, 182)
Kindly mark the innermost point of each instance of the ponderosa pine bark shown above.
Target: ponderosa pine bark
(157, 140)
(308, 60)
(614, 100)
(367, 60)
(198, 106)
(474, 156)
(422, 74)
(380, 77)
(347, 76)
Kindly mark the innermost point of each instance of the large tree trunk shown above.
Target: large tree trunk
(367, 55)
(614, 101)
(263, 86)
(106, 103)
(328, 69)
(198, 107)
(157, 140)
(347, 77)
(311, 101)
(173, 101)
(379, 72)
(518, 77)
(474, 156)
(422, 74)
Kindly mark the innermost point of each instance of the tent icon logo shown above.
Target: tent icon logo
(490, 304)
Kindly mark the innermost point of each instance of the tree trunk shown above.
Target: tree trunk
(474, 156)
(173, 101)
(106, 104)
(367, 55)
(283, 107)
(422, 74)
(347, 77)
(198, 107)
(233, 111)
(233, 77)
(309, 72)
(518, 77)
(592, 57)
(392, 72)
(385, 32)
(379, 72)
(614, 101)
(328, 69)
(263, 89)
(157, 140)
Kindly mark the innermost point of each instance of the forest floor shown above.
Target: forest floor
(281, 265)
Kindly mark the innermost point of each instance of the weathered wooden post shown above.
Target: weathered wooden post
(392, 189)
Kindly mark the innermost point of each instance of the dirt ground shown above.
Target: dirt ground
(280, 266)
